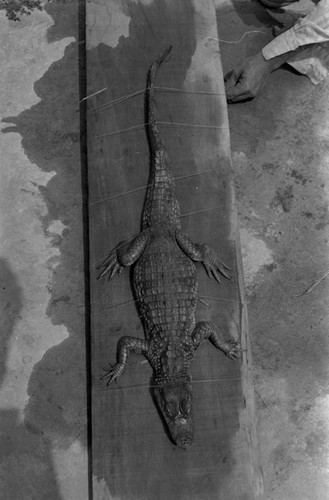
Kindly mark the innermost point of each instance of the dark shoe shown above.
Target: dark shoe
(276, 4)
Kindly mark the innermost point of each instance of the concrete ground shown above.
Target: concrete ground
(281, 160)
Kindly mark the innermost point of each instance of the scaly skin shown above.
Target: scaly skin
(165, 284)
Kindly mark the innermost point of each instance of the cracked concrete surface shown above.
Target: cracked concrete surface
(281, 160)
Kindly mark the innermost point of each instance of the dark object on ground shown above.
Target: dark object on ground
(276, 4)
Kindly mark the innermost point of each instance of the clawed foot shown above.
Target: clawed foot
(110, 265)
(113, 374)
(214, 266)
(235, 350)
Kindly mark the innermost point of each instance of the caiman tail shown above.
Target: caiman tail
(153, 129)
(161, 205)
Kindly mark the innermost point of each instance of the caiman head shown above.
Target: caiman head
(175, 403)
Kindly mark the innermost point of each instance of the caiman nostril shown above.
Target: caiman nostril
(185, 442)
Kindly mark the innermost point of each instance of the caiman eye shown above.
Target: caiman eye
(185, 406)
(171, 410)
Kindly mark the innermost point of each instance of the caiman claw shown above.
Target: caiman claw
(234, 351)
(214, 266)
(110, 265)
(113, 374)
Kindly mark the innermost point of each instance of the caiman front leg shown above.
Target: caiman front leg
(125, 345)
(206, 330)
(123, 255)
(202, 253)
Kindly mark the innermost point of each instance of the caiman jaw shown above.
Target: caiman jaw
(186, 440)
(181, 431)
(175, 403)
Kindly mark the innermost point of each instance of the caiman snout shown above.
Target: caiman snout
(185, 442)
(175, 404)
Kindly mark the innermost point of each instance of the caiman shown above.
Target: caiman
(165, 285)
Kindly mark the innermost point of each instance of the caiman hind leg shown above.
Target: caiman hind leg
(202, 253)
(123, 255)
(205, 330)
(125, 345)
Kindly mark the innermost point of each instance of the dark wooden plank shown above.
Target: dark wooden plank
(133, 457)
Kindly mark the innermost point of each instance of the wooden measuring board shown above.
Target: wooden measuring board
(132, 455)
